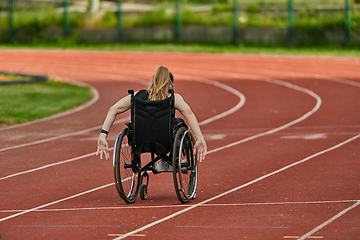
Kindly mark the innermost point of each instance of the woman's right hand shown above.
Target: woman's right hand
(103, 147)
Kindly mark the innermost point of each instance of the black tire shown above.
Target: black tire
(143, 192)
(126, 180)
(185, 170)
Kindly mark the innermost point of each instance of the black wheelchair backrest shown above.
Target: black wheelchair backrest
(152, 123)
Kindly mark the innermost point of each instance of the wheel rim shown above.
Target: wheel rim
(125, 179)
(187, 171)
(185, 167)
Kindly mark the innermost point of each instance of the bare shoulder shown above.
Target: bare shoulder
(178, 97)
(180, 103)
(179, 100)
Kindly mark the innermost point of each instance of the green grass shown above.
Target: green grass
(21, 103)
(197, 48)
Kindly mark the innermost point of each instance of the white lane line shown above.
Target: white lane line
(49, 165)
(183, 206)
(329, 221)
(308, 114)
(317, 76)
(95, 98)
(60, 136)
(223, 86)
(237, 188)
(338, 80)
(55, 202)
(279, 203)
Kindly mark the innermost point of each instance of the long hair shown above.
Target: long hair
(160, 83)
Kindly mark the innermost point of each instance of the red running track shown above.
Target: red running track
(283, 136)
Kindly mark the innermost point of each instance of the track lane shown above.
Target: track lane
(234, 159)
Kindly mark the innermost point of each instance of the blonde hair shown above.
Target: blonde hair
(160, 83)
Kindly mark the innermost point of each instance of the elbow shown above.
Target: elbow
(187, 113)
(112, 111)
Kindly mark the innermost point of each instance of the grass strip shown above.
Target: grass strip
(21, 103)
(197, 48)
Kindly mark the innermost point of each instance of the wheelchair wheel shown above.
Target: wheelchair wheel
(126, 180)
(185, 170)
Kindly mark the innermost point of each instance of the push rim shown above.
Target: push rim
(188, 173)
(184, 166)
(126, 180)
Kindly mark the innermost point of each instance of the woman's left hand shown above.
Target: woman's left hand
(200, 149)
(103, 148)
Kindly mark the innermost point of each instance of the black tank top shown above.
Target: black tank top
(142, 95)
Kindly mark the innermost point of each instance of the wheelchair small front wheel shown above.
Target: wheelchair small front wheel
(143, 192)
(126, 180)
(185, 169)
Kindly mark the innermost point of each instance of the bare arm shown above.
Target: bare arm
(121, 106)
(185, 110)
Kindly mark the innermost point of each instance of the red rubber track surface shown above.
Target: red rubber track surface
(283, 165)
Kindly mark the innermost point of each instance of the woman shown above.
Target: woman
(158, 90)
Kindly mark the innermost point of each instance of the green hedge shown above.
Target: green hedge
(33, 26)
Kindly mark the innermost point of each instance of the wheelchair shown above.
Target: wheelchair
(153, 129)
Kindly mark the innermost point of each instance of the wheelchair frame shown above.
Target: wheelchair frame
(130, 175)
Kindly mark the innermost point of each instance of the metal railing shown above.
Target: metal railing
(66, 8)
